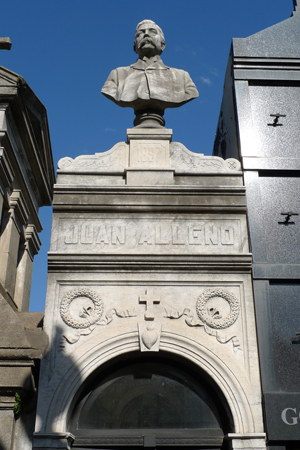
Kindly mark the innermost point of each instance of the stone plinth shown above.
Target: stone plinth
(149, 254)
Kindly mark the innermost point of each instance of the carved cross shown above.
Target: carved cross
(150, 300)
(5, 43)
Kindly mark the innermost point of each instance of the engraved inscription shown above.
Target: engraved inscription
(200, 235)
(151, 154)
(151, 235)
(88, 233)
(148, 153)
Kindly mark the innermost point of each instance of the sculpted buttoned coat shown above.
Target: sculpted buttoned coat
(154, 85)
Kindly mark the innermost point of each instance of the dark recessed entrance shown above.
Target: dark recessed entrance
(151, 401)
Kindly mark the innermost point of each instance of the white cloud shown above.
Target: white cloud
(206, 80)
(214, 71)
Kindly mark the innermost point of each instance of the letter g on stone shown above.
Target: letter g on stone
(293, 419)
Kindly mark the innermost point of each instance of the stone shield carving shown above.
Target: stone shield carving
(218, 308)
(81, 308)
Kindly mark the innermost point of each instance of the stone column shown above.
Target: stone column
(6, 179)
(15, 377)
(27, 250)
(7, 421)
(12, 225)
(1, 202)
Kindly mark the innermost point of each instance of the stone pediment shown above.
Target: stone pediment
(9, 79)
(25, 112)
(184, 160)
(117, 160)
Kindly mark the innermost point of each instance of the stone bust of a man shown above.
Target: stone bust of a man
(149, 85)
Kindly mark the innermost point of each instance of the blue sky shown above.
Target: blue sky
(65, 49)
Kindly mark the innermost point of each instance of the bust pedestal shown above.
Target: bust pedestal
(149, 157)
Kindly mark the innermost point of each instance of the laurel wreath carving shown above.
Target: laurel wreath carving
(87, 317)
(211, 316)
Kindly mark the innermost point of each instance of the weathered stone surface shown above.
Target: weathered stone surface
(159, 263)
(144, 153)
(26, 179)
(149, 86)
(7, 423)
(139, 235)
(20, 336)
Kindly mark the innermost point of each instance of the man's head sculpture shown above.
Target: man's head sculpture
(149, 86)
(149, 38)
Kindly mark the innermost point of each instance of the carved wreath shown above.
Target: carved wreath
(213, 316)
(87, 315)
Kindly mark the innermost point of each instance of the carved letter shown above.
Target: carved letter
(72, 237)
(145, 237)
(293, 418)
(196, 235)
(86, 235)
(159, 239)
(118, 234)
(145, 153)
(177, 239)
(227, 236)
(102, 235)
(211, 235)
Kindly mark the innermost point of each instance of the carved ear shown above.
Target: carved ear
(163, 45)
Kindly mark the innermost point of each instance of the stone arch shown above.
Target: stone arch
(228, 382)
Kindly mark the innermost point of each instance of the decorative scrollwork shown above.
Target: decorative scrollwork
(218, 308)
(81, 308)
(65, 162)
(233, 164)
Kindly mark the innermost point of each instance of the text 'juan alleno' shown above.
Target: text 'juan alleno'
(150, 234)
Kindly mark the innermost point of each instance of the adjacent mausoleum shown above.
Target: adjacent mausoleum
(259, 125)
(26, 184)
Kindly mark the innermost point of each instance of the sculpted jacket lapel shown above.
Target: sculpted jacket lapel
(141, 65)
(138, 83)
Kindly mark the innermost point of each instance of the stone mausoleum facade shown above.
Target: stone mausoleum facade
(172, 310)
(151, 316)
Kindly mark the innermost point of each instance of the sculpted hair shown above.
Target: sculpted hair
(156, 26)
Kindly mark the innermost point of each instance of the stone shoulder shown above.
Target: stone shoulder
(117, 159)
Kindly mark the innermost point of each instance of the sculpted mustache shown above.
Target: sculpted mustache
(146, 40)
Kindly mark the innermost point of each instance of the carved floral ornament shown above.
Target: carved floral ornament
(82, 310)
(216, 310)
(116, 159)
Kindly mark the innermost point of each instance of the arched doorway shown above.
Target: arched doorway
(152, 401)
